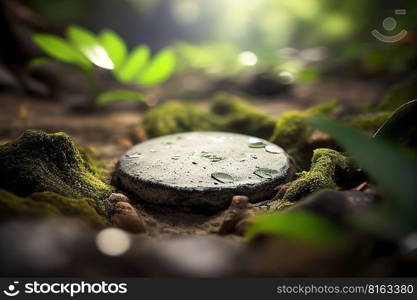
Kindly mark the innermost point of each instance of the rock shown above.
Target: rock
(125, 217)
(118, 197)
(49, 204)
(268, 83)
(38, 162)
(237, 216)
(202, 170)
(336, 205)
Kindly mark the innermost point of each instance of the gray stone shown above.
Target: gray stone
(202, 170)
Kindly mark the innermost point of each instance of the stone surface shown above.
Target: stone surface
(202, 170)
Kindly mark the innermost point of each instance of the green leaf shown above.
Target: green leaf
(59, 49)
(211, 156)
(401, 126)
(90, 46)
(133, 64)
(119, 95)
(161, 67)
(300, 225)
(254, 142)
(222, 177)
(257, 145)
(394, 171)
(115, 47)
(265, 172)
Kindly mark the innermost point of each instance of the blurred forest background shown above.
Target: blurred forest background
(301, 40)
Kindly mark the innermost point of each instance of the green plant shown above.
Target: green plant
(401, 126)
(107, 50)
(390, 166)
(301, 225)
(393, 169)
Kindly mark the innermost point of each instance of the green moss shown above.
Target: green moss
(48, 204)
(175, 117)
(89, 163)
(399, 94)
(238, 116)
(326, 167)
(38, 162)
(369, 122)
(292, 131)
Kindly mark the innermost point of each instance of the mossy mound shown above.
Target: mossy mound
(38, 162)
(292, 131)
(176, 117)
(328, 169)
(238, 116)
(369, 122)
(399, 94)
(48, 204)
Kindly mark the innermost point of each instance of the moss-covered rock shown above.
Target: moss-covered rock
(292, 131)
(48, 204)
(38, 162)
(328, 169)
(238, 116)
(399, 94)
(175, 117)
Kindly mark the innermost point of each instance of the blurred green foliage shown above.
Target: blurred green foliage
(393, 169)
(214, 33)
(108, 51)
(401, 126)
(301, 225)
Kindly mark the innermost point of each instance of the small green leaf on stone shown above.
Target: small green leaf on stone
(210, 156)
(222, 177)
(265, 172)
(257, 145)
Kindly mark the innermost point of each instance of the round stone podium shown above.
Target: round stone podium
(202, 170)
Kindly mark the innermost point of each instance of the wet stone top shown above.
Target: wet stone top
(202, 170)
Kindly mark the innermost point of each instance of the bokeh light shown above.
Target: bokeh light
(113, 241)
(248, 58)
